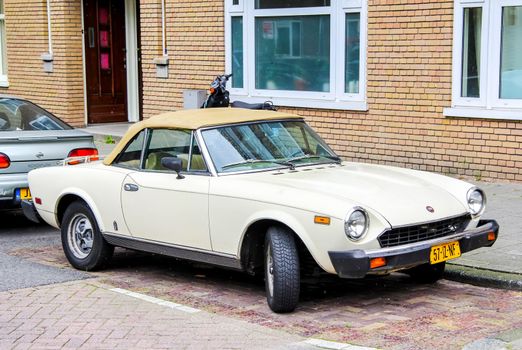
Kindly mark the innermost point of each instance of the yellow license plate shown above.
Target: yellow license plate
(25, 193)
(443, 252)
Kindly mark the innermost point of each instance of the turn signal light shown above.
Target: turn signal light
(92, 153)
(322, 220)
(5, 162)
(377, 262)
(491, 236)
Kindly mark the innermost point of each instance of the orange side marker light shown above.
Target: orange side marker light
(322, 220)
(491, 236)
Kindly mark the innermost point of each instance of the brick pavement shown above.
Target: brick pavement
(390, 313)
(87, 315)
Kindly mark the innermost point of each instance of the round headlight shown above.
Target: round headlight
(476, 201)
(356, 224)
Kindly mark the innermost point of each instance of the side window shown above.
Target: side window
(131, 155)
(197, 163)
(173, 143)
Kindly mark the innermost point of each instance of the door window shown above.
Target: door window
(173, 143)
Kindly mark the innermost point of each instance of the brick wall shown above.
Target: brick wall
(409, 84)
(61, 92)
(409, 81)
(195, 43)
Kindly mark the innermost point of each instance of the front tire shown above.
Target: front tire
(282, 273)
(82, 241)
(427, 273)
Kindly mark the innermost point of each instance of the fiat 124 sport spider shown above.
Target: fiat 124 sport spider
(258, 191)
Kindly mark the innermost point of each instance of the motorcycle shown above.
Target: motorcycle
(220, 97)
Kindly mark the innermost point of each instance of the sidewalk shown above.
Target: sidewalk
(500, 265)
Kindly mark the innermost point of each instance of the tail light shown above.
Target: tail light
(91, 153)
(5, 162)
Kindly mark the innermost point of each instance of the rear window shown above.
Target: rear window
(23, 115)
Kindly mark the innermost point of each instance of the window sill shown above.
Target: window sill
(4, 83)
(361, 106)
(483, 113)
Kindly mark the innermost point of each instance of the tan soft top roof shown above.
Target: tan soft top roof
(193, 119)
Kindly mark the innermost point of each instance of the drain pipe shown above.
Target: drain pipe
(162, 63)
(47, 57)
(163, 31)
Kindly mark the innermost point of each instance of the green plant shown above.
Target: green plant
(109, 140)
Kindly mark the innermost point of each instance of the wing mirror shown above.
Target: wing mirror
(173, 163)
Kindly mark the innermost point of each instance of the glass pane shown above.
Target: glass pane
(265, 145)
(21, 115)
(278, 4)
(353, 39)
(131, 156)
(237, 52)
(167, 143)
(511, 63)
(293, 53)
(471, 52)
(197, 163)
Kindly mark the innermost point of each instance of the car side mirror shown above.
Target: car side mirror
(173, 163)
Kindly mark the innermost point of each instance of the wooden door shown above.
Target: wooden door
(105, 63)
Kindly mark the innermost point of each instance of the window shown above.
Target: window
(487, 59)
(266, 145)
(3, 49)
(173, 143)
(303, 53)
(131, 156)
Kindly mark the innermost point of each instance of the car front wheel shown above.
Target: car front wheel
(282, 279)
(82, 242)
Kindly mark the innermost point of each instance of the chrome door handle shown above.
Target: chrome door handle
(130, 187)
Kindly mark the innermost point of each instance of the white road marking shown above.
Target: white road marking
(325, 344)
(157, 301)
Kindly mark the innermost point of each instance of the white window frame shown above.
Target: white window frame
(489, 104)
(4, 82)
(336, 98)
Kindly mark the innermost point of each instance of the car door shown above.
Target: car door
(158, 205)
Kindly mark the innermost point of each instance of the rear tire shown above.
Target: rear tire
(82, 241)
(427, 273)
(282, 273)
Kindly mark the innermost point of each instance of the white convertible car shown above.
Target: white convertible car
(257, 191)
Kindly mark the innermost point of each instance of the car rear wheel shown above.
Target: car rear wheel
(282, 279)
(427, 273)
(82, 242)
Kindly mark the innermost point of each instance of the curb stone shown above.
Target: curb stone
(483, 277)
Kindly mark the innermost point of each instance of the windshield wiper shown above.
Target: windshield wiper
(308, 156)
(253, 161)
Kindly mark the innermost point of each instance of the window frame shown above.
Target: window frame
(336, 98)
(488, 104)
(4, 82)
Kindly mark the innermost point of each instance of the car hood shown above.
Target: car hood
(399, 195)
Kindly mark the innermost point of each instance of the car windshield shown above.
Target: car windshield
(20, 115)
(266, 145)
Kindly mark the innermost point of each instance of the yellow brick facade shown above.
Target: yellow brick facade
(61, 92)
(409, 80)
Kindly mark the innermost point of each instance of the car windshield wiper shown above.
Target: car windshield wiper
(253, 161)
(308, 156)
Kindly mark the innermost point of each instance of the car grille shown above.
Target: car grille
(423, 232)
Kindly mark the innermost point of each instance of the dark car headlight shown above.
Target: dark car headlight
(356, 223)
(476, 201)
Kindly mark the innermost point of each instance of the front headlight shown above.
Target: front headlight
(476, 201)
(356, 224)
